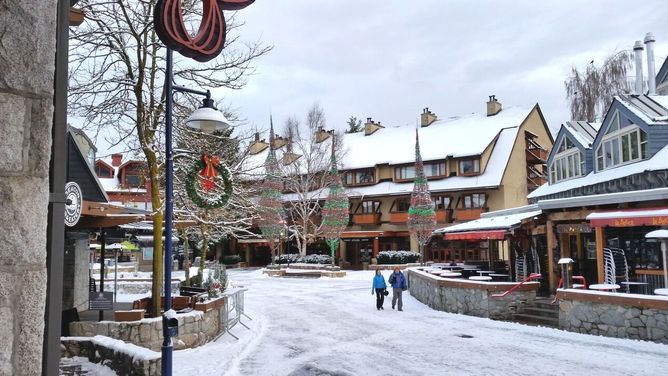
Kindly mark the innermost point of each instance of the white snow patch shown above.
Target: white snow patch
(136, 352)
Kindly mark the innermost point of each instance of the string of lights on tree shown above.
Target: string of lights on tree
(421, 214)
(335, 212)
(271, 212)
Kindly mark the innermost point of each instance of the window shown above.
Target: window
(624, 145)
(360, 177)
(474, 201)
(133, 176)
(369, 207)
(441, 202)
(469, 167)
(103, 171)
(568, 163)
(402, 204)
(404, 172)
(432, 169)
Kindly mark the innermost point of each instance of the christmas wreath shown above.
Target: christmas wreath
(208, 182)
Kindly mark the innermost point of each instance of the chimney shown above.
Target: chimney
(493, 106)
(116, 159)
(258, 145)
(370, 127)
(637, 50)
(257, 136)
(321, 134)
(427, 117)
(651, 72)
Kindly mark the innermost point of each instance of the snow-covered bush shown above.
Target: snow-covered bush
(308, 259)
(216, 281)
(397, 257)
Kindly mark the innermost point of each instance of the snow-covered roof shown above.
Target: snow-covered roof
(652, 109)
(582, 132)
(507, 221)
(628, 214)
(658, 162)
(489, 178)
(113, 184)
(451, 137)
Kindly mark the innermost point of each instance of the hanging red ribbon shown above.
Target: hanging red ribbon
(210, 171)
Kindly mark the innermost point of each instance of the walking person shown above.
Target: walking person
(399, 284)
(379, 287)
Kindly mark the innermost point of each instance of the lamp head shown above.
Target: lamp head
(207, 118)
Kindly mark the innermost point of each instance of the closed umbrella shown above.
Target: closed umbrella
(663, 236)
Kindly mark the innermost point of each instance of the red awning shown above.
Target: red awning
(476, 235)
(630, 218)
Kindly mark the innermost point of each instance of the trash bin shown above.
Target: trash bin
(365, 266)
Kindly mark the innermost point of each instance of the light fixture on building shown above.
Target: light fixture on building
(207, 118)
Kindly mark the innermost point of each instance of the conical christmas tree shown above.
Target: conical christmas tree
(335, 212)
(421, 215)
(271, 222)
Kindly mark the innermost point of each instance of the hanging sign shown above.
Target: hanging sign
(73, 203)
(210, 38)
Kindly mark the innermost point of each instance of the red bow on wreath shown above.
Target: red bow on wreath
(210, 171)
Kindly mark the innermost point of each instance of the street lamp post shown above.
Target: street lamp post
(206, 119)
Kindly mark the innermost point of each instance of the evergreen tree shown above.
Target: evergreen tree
(335, 212)
(421, 214)
(354, 125)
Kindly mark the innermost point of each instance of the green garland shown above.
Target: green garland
(192, 184)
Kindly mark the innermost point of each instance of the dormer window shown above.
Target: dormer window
(133, 176)
(103, 171)
(431, 170)
(469, 166)
(568, 163)
(621, 145)
(364, 176)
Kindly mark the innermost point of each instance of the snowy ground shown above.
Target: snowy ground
(331, 327)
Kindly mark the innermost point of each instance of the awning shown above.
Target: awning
(630, 218)
(491, 227)
(657, 234)
(477, 235)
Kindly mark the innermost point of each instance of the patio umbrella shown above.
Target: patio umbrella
(663, 236)
(114, 247)
(129, 246)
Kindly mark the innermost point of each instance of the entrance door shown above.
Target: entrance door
(355, 251)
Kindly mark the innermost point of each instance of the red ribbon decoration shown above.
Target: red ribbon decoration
(209, 172)
(210, 38)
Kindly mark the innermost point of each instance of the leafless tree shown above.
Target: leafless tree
(304, 166)
(590, 92)
(116, 84)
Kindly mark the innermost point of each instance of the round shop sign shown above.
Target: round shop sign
(73, 203)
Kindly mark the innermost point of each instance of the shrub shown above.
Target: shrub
(231, 259)
(309, 259)
(289, 258)
(397, 257)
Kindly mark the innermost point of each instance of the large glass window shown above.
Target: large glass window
(133, 176)
(103, 171)
(474, 201)
(567, 163)
(432, 169)
(368, 207)
(469, 167)
(404, 172)
(441, 202)
(402, 204)
(625, 145)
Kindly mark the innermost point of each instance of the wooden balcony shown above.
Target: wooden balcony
(469, 214)
(398, 218)
(366, 219)
(444, 216)
(536, 156)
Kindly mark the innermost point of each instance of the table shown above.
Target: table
(661, 291)
(631, 284)
(480, 278)
(481, 272)
(604, 286)
(450, 274)
(500, 276)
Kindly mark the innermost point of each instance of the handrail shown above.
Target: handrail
(530, 278)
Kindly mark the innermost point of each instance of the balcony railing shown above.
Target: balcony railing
(469, 214)
(444, 216)
(398, 218)
(536, 156)
(366, 219)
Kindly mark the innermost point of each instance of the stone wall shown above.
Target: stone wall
(27, 65)
(614, 314)
(469, 297)
(123, 358)
(195, 328)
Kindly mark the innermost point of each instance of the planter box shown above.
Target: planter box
(208, 305)
(131, 315)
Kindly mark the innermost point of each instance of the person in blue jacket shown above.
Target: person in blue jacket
(379, 288)
(399, 284)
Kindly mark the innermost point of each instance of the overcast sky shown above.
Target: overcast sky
(389, 59)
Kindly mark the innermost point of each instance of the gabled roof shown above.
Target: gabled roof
(113, 170)
(581, 132)
(653, 110)
(81, 172)
(662, 76)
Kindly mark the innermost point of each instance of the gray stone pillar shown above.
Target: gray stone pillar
(27, 64)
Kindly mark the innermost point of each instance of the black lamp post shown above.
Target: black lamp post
(206, 119)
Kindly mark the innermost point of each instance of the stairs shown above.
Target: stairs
(541, 312)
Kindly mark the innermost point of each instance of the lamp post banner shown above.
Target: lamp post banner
(210, 38)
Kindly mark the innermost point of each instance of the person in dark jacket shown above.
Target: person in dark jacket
(399, 284)
(379, 288)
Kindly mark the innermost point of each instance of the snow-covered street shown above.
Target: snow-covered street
(331, 327)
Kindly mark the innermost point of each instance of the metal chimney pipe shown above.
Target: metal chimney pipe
(637, 50)
(651, 72)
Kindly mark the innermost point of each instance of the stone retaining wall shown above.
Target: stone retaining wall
(121, 357)
(195, 328)
(471, 298)
(619, 315)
